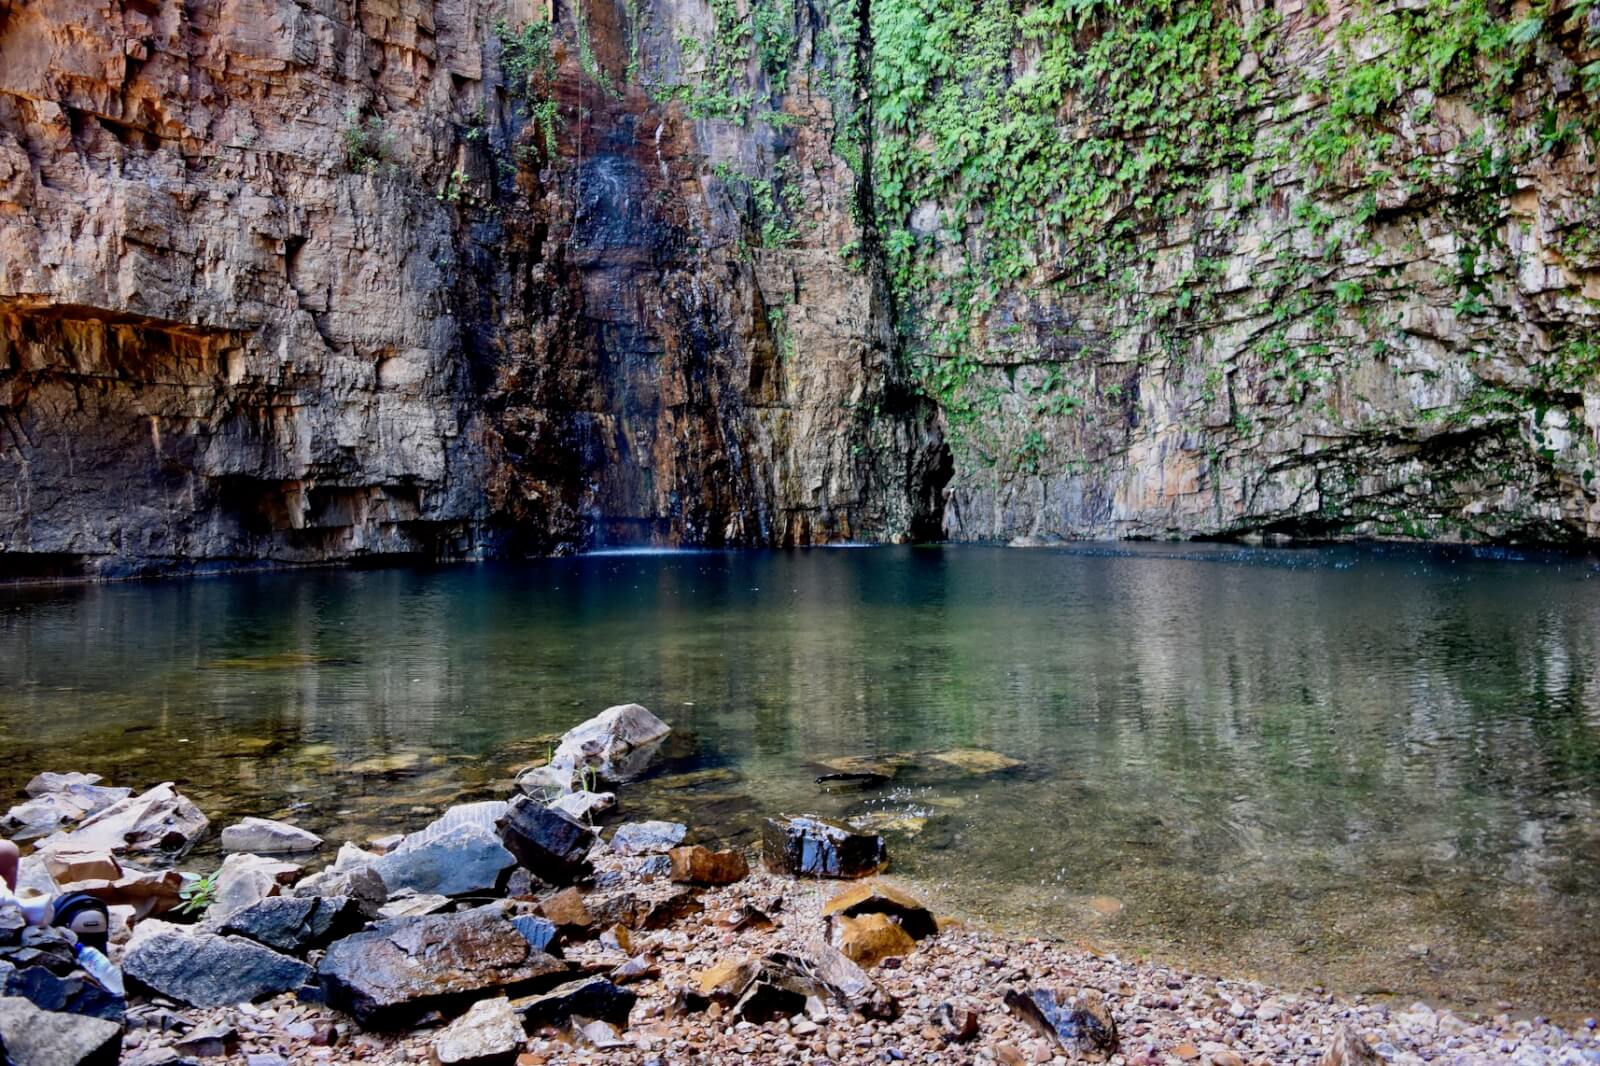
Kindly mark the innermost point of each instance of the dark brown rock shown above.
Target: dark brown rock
(588, 997)
(547, 843)
(697, 865)
(875, 897)
(404, 968)
(809, 846)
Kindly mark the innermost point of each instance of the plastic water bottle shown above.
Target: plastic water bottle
(100, 970)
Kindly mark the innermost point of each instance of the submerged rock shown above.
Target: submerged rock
(859, 780)
(265, 836)
(875, 897)
(808, 846)
(489, 1034)
(702, 866)
(295, 924)
(404, 968)
(975, 760)
(206, 970)
(648, 838)
(160, 822)
(1081, 1025)
(547, 843)
(30, 1036)
(889, 822)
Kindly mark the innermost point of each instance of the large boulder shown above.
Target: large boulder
(489, 1034)
(296, 924)
(809, 846)
(263, 836)
(616, 744)
(58, 800)
(160, 823)
(33, 1037)
(458, 854)
(403, 968)
(550, 845)
(206, 970)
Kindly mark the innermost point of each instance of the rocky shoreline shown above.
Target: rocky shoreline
(514, 932)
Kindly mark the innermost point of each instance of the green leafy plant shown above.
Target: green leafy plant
(367, 143)
(198, 894)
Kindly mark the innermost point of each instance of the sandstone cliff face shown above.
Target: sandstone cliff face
(294, 281)
(1368, 308)
(218, 343)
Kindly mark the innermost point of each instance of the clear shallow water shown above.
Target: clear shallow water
(1373, 769)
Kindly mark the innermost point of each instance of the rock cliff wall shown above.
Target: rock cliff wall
(303, 280)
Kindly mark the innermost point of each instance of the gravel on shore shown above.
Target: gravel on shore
(1165, 1015)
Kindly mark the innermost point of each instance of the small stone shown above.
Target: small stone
(648, 838)
(1082, 1026)
(540, 933)
(637, 968)
(727, 980)
(209, 1042)
(567, 909)
(957, 1023)
(871, 938)
(697, 865)
(488, 1034)
(70, 867)
(1348, 1048)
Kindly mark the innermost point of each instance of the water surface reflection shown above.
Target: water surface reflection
(1371, 768)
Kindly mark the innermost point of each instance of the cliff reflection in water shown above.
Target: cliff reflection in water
(1375, 769)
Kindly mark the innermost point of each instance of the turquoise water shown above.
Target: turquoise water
(1373, 769)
